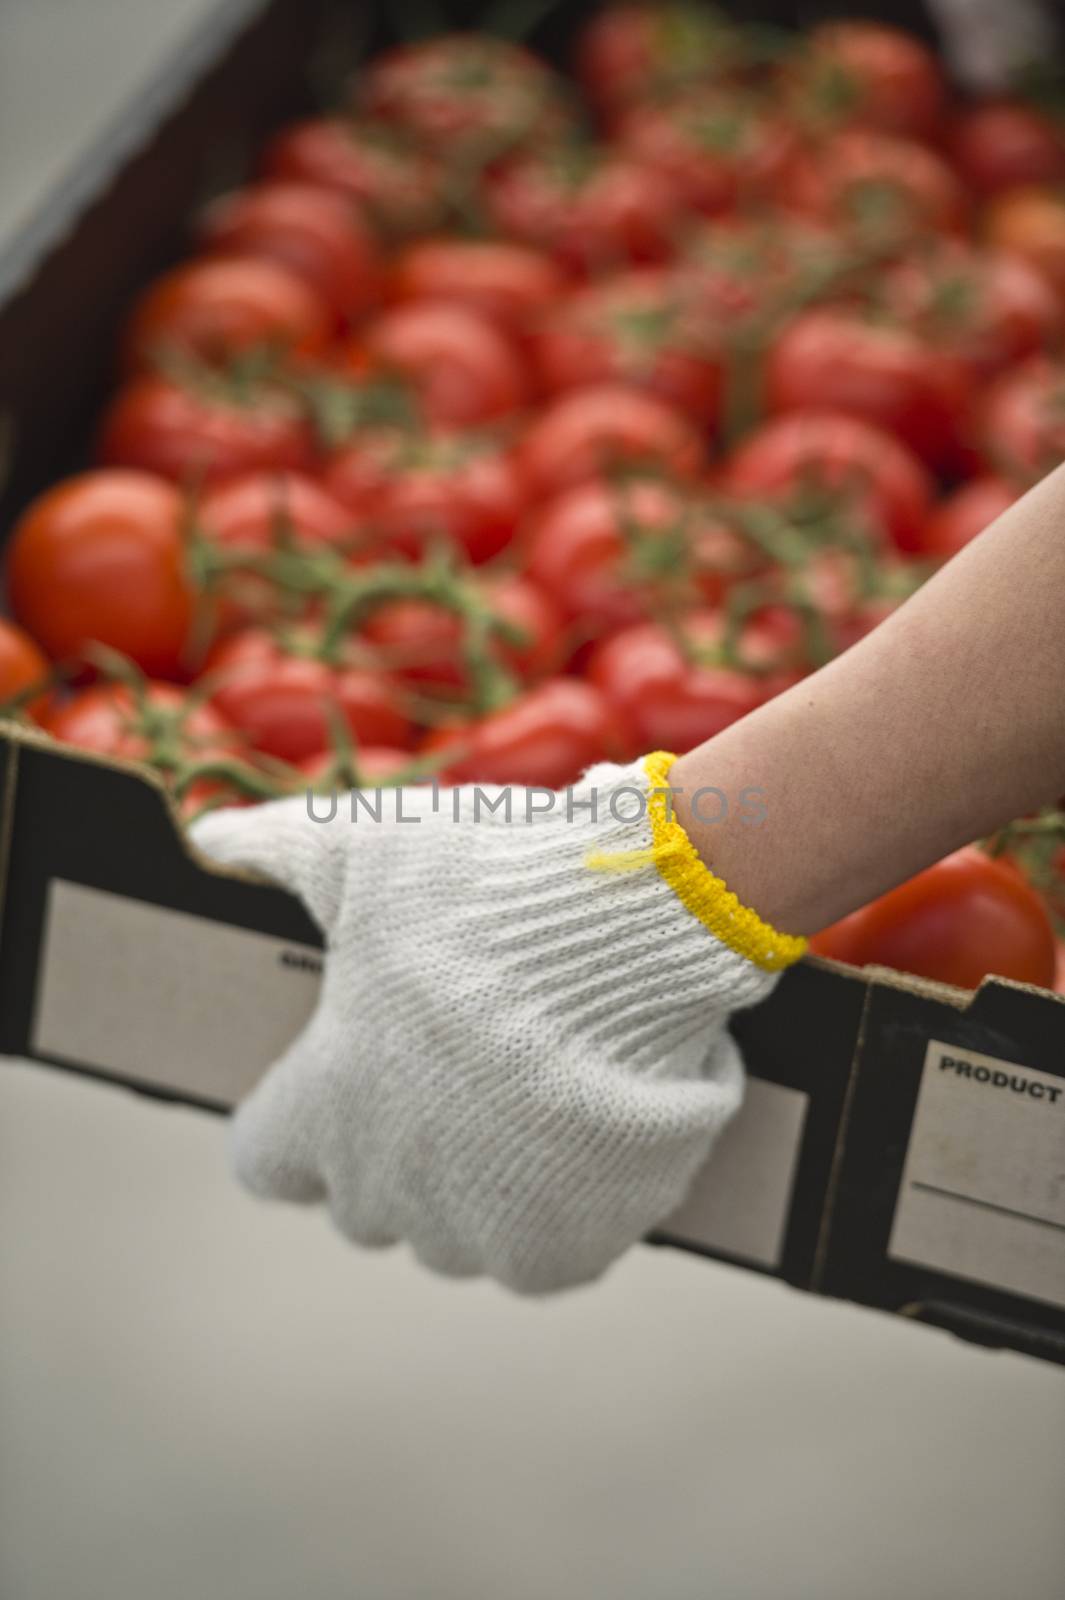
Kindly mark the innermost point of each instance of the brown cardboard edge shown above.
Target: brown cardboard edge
(879, 978)
(25, 733)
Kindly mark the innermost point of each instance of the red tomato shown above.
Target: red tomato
(987, 308)
(594, 210)
(462, 368)
(638, 51)
(889, 487)
(320, 237)
(416, 489)
(835, 582)
(250, 512)
(838, 359)
(605, 429)
(106, 718)
(215, 310)
(1003, 144)
(506, 282)
(608, 553)
(741, 268)
(1031, 223)
(421, 643)
(883, 190)
(718, 148)
(1024, 420)
(958, 519)
(22, 665)
(167, 733)
(663, 699)
(281, 701)
(545, 739)
(856, 73)
(956, 922)
(101, 558)
(197, 431)
(369, 162)
(470, 94)
(639, 329)
(376, 765)
(251, 515)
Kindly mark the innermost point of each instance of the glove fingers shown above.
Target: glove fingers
(447, 1258)
(281, 841)
(273, 1140)
(348, 1219)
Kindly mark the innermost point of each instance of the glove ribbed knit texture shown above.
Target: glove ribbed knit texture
(518, 1063)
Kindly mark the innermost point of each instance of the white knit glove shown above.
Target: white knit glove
(519, 1060)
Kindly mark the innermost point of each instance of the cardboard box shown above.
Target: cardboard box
(902, 1144)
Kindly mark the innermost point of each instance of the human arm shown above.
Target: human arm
(941, 725)
(521, 1053)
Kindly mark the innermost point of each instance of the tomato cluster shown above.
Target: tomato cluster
(507, 421)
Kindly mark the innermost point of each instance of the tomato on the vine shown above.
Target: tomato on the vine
(461, 368)
(842, 456)
(750, 271)
(500, 279)
(107, 718)
(639, 328)
(635, 51)
(1004, 144)
(162, 727)
(259, 512)
(417, 489)
(204, 427)
(545, 739)
(473, 95)
(604, 431)
(594, 209)
(216, 310)
(427, 423)
(100, 558)
(859, 73)
(613, 554)
(318, 236)
(882, 191)
(717, 147)
(668, 688)
(987, 308)
(378, 166)
(280, 698)
(960, 920)
(420, 642)
(839, 359)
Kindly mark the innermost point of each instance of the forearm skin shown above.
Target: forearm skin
(944, 723)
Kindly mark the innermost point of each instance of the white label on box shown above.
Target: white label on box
(164, 998)
(740, 1201)
(983, 1187)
